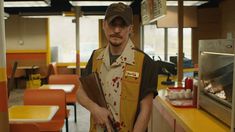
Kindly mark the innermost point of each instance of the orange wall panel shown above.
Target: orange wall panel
(36, 56)
(3, 95)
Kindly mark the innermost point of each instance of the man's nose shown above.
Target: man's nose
(117, 29)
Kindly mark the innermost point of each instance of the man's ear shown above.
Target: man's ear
(131, 28)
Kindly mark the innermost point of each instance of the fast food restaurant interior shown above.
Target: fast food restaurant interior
(46, 45)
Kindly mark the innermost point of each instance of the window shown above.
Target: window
(173, 42)
(154, 41)
(187, 43)
(172, 37)
(89, 36)
(63, 38)
(154, 44)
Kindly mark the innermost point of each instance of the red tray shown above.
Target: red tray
(182, 103)
(175, 88)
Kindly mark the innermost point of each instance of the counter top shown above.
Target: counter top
(191, 119)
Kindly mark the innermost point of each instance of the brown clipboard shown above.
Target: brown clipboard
(92, 86)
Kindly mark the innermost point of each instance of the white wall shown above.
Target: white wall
(26, 33)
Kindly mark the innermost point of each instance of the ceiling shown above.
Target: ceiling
(59, 6)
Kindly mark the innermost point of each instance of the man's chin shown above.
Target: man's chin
(115, 44)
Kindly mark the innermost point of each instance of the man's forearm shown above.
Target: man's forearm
(84, 100)
(141, 123)
(99, 114)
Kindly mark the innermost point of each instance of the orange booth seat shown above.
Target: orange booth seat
(48, 97)
(71, 98)
(24, 127)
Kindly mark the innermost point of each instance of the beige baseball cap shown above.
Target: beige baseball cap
(119, 10)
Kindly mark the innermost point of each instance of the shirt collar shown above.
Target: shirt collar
(127, 55)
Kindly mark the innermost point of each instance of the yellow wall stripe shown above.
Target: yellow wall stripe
(65, 64)
(83, 63)
(2, 74)
(78, 51)
(70, 64)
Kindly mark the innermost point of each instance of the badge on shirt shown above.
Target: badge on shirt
(132, 74)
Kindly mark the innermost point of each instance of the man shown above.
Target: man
(127, 75)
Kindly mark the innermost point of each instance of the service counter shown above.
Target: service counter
(166, 118)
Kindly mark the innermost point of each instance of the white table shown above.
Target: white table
(74, 68)
(66, 87)
(28, 70)
(27, 67)
(32, 113)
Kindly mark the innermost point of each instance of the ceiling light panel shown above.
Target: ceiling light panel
(33, 3)
(95, 3)
(186, 3)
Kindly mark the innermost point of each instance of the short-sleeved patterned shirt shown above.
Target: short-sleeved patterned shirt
(111, 76)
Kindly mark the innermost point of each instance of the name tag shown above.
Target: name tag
(132, 74)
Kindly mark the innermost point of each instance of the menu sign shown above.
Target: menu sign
(159, 9)
(152, 10)
(145, 12)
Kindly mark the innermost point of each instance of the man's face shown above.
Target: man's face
(117, 32)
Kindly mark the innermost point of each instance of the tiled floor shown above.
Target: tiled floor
(83, 116)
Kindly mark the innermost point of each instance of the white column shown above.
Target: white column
(4, 122)
(78, 14)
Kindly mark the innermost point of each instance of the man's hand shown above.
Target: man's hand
(145, 111)
(101, 117)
